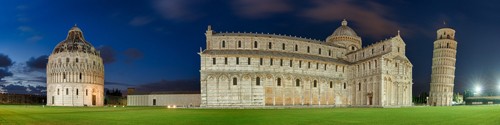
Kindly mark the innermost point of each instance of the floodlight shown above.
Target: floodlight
(478, 89)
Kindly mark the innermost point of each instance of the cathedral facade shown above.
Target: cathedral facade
(75, 73)
(258, 70)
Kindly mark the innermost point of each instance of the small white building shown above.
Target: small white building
(177, 99)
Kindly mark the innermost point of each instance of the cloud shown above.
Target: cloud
(373, 18)
(140, 21)
(175, 85)
(260, 8)
(20, 89)
(24, 28)
(21, 7)
(39, 63)
(132, 54)
(35, 38)
(5, 73)
(178, 9)
(108, 54)
(5, 61)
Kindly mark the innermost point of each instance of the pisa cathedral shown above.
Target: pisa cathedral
(75, 73)
(256, 70)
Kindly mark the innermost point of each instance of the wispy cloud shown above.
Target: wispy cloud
(108, 54)
(178, 10)
(372, 18)
(132, 54)
(260, 8)
(35, 38)
(25, 28)
(140, 21)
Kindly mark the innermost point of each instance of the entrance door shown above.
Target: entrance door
(52, 99)
(370, 100)
(154, 101)
(93, 99)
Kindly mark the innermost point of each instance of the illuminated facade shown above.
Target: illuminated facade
(75, 73)
(443, 68)
(256, 70)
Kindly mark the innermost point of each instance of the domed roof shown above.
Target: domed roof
(344, 30)
(75, 42)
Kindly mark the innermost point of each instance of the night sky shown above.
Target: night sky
(153, 44)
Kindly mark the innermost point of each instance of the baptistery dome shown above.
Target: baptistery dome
(75, 73)
(75, 42)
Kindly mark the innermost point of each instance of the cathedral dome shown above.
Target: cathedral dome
(75, 42)
(344, 30)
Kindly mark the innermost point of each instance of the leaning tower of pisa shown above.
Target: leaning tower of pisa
(75, 73)
(443, 68)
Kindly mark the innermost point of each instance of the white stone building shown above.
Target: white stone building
(177, 99)
(443, 68)
(75, 73)
(256, 70)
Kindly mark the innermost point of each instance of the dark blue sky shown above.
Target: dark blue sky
(156, 41)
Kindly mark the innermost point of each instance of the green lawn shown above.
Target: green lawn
(469, 115)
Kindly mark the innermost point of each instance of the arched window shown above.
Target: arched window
(383, 47)
(308, 49)
(331, 84)
(225, 60)
(67, 92)
(447, 45)
(345, 85)
(86, 92)
(329, 52)
(257, 81)
(270, 46)
(237, 60)
(67, 59)
(255, 44)
(223, 44)
(214, 61)
(64, 75)
(352, 48)
(80, 76)
(297, 82)
(76, 91)
(319, 51)
(76, 60)
(315, 83)
(235, 81)
(57, 91)
(278, 82)
(296, 47)
(239, 44)
(283, 46)
(359, 84)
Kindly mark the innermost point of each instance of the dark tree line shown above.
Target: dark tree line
(113, 92)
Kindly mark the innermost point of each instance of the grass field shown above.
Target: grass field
(467, 115)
